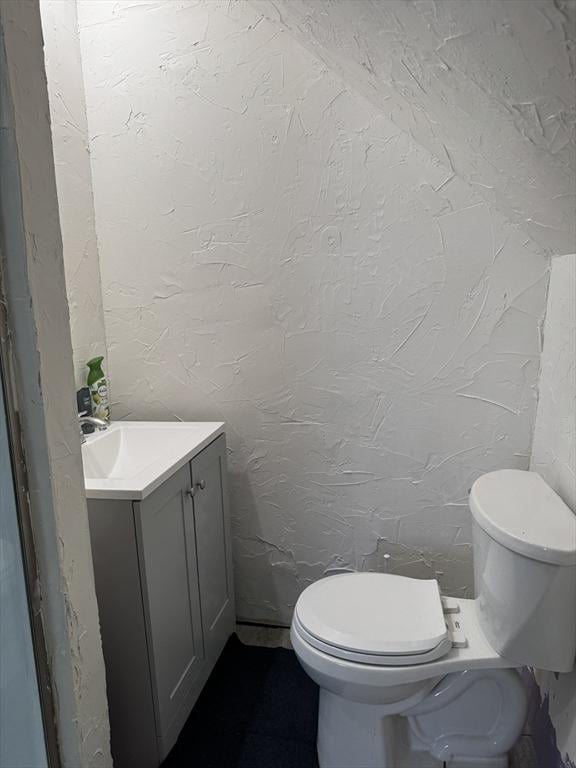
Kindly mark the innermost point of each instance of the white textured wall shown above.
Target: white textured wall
(277, 254)
(554, 447)
(33, 284)
(74, 181)
(554, 452)
(486, 85)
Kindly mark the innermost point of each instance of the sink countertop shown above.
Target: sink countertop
(131, 459)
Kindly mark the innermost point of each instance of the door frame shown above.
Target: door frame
(29, 558)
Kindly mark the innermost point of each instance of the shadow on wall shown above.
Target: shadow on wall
(290, 575)
(422, 562)
(251, 546)
(253, 549)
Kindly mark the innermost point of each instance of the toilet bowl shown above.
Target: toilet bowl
(361, 700)
(411, 679)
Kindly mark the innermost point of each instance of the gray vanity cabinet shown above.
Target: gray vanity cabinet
(213, 551)
(171, 596)
(164, 585)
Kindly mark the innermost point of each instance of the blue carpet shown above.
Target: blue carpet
(258, 710)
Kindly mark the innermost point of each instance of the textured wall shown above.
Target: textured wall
(554, 447)
(554, 456)
(277, 254)
(486, 86)
(74, 181)
(33, 281)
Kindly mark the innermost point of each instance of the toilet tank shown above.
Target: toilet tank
(524, 539)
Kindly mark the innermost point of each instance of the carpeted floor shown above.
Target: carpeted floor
(257, 710)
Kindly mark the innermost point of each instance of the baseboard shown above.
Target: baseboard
(265, 624)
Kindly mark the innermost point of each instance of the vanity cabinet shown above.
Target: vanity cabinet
(163, 575)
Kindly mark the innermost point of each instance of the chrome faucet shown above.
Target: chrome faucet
(100, 424)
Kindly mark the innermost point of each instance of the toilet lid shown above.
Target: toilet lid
(374, 613)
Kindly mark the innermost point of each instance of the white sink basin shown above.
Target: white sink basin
(132, 458)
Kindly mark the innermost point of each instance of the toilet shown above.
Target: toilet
(410, 678)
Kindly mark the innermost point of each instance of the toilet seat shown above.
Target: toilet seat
(369, 658)
(478, 654)
(374, 618)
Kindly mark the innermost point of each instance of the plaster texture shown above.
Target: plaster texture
(73, 182)
(33, 286)
(554, 457)
(487, 87)
(278, 254)
(554, 446)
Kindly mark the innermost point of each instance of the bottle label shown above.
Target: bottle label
(99, 397)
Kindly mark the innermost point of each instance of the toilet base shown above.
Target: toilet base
(469, 720)
(354, 735)
(357, 735)
(376, 740)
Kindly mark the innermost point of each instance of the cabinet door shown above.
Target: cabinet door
(213, 546)
(165, 528)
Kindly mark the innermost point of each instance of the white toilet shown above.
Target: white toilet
(411, 679)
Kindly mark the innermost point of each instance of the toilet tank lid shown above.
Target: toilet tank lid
(520, 511)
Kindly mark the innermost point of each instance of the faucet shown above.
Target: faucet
(100, 424)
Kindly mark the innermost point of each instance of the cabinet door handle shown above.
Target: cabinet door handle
(191, 492)
(201, 485)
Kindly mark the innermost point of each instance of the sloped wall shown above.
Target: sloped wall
(554, 456)
(487, 87)
(34, 289)
(278, 254)
(74, 181)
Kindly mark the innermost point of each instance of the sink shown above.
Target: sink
(132, 458)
